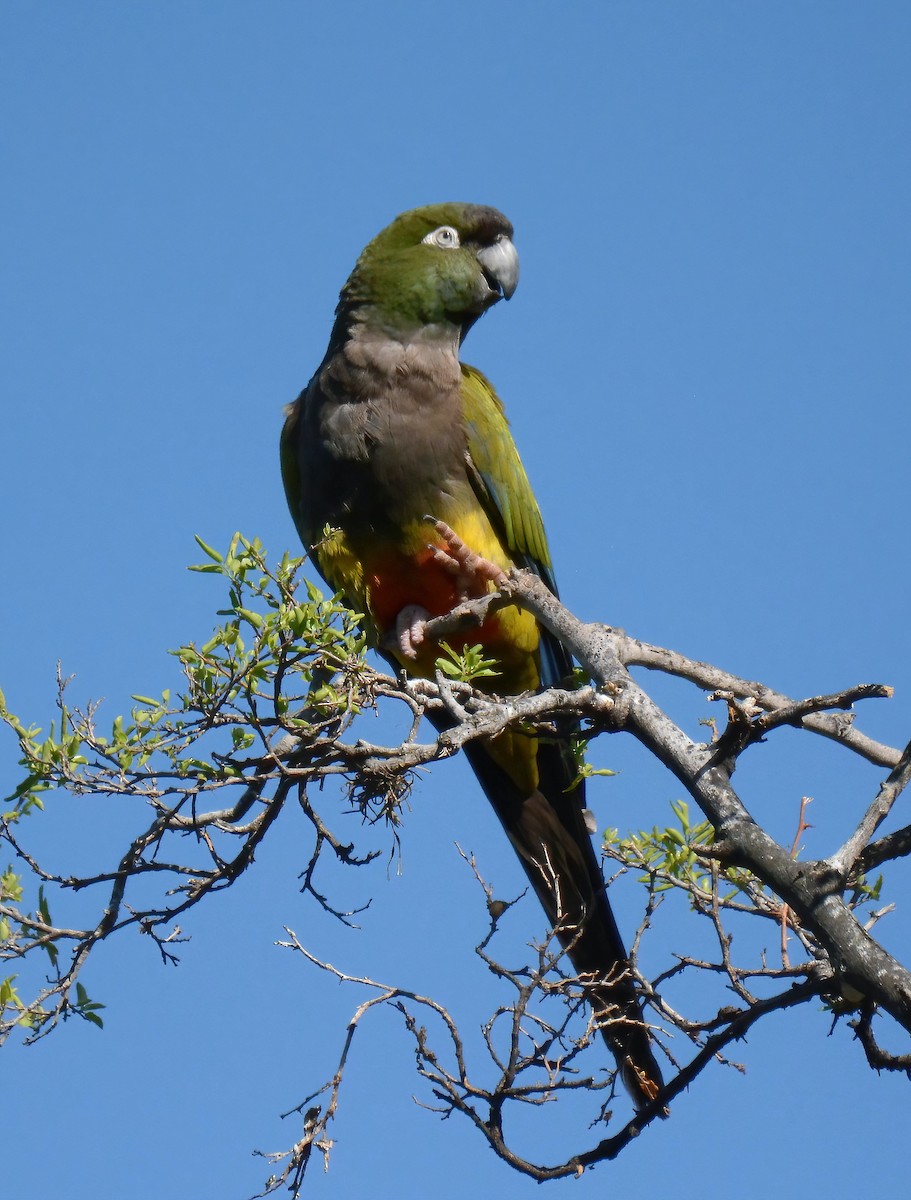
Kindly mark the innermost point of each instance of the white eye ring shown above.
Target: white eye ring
(445, 237)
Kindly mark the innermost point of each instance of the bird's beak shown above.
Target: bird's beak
(500, 264)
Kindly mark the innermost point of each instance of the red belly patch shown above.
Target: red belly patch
(399, 580)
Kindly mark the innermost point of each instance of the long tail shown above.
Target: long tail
(548, 832)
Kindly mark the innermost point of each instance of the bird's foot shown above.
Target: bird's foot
(472, 574)
(409, 629)
(471, 571)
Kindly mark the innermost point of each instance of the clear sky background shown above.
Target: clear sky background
(707, 369)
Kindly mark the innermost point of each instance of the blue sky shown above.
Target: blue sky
(707, 370)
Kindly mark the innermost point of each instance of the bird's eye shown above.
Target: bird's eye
(446, 237)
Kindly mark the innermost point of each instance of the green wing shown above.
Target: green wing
(499, 478)
(502, 486)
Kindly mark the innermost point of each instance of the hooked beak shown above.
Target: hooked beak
(500, 264)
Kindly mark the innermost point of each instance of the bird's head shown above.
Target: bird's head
(439, 266)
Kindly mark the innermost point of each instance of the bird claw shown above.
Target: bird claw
(471, 571)
(409, 629)
(472, 574)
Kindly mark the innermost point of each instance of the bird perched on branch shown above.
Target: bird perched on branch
(405, 484)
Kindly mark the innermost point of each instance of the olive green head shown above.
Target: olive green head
(443, 265)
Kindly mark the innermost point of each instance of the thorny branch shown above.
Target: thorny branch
(296, 695)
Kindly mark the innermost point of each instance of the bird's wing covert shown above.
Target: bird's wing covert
(499, 478)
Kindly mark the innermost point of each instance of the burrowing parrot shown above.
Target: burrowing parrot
(405, 485)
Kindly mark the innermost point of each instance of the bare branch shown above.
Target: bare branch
(890, 789)
(284, 713)
(892, 846)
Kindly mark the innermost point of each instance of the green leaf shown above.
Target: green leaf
(466, 665)
(208, 550)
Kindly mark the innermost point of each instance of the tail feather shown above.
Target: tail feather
(548, 832)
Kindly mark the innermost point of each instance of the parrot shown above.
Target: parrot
(406, 489)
